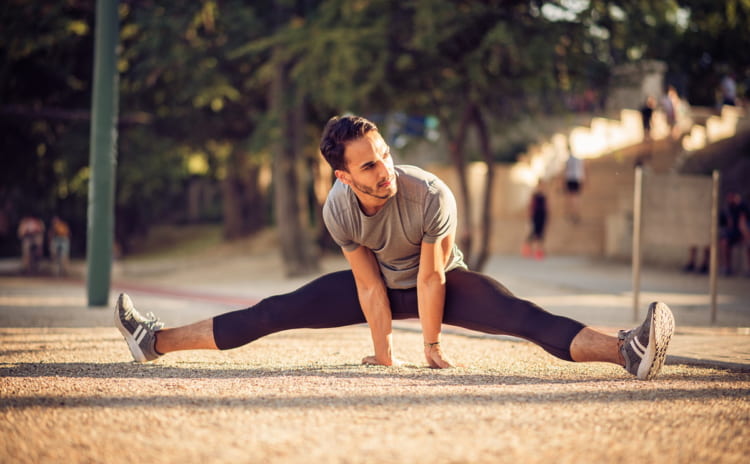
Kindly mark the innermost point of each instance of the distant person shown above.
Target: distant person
(534, 244)
(396, 227)
(31, 234)
(647, 112)
(692, 264)
(574, 177)
(733, 230)
(59, 245)
(728, 87)
(667, 106)
(673, 109)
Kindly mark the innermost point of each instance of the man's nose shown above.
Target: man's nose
(384, 168)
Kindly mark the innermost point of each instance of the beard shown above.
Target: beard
(380, 192)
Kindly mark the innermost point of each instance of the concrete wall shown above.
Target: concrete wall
(633, 82)
(676, 215)
(676, 209)
(672, 204)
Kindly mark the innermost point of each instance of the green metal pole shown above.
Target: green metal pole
(102, 154)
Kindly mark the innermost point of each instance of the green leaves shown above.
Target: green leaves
(197, 75)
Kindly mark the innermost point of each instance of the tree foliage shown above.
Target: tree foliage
(198, 80)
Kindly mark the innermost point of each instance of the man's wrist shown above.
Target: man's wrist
(384, 354)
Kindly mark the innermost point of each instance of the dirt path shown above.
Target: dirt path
(72, 395)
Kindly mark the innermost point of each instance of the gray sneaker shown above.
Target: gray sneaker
(138, 330)
(645, 347)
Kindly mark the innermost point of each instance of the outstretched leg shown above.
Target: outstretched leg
(326, 302)
(590, 345)
(329, 301)
(478, 302)
(197, 336)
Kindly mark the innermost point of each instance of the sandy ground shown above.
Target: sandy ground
(69, 392)
(72, 395)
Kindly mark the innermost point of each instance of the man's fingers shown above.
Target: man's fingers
(373, 361)
(436, 360)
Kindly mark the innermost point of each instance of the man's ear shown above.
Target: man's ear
(343, 176)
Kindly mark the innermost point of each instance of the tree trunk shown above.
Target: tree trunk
(299, 253)
(323, 179)
(231, 207)
(479, 258)
(243, 201)
(456, 149)
(475, 258)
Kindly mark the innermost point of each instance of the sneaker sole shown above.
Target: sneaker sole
(662, 328)
(135, 350)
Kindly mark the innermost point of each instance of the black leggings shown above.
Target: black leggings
(472, 300)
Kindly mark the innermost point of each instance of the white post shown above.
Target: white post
(637, 213)
(714, 267)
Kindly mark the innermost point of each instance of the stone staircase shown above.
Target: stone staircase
(608, 189)
(607, 194)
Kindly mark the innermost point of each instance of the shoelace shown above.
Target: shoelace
(150, 320)
(153, 322)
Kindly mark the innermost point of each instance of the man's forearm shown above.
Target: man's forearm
(373, 298)
(431, 302)
(376, 309)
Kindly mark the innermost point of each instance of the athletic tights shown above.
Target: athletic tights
(472, 300)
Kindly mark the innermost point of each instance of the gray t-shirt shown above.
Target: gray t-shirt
(423, 210)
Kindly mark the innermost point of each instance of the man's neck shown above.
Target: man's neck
(371, 205)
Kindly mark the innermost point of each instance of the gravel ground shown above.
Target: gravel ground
(70, 393)
(73, 395)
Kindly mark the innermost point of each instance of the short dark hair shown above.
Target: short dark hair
(337, 133)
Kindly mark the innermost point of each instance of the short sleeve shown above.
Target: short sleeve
(336, 225)
(440, 215)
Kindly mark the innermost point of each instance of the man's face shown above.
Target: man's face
(370, 168)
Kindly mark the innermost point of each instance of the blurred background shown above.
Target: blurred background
(221, 105)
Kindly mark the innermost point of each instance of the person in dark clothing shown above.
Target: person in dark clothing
(734, 230)
(647, 112)
(534, 244)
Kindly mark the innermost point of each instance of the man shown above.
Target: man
(534, 243)
(734, 229)
(647, 112)
(728, 90)
(396, 226)
(59, 245)
(31, 234)
(574, 175)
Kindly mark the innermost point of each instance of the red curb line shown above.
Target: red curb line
(244, 302)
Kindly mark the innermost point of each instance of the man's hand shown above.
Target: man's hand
(373, 297)
(431, 298)
(435, 357)
(374, 361)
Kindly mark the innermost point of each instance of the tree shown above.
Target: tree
(463, 61)
(176, 66)
(712, 42)
(43, 114)
(220, 91)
